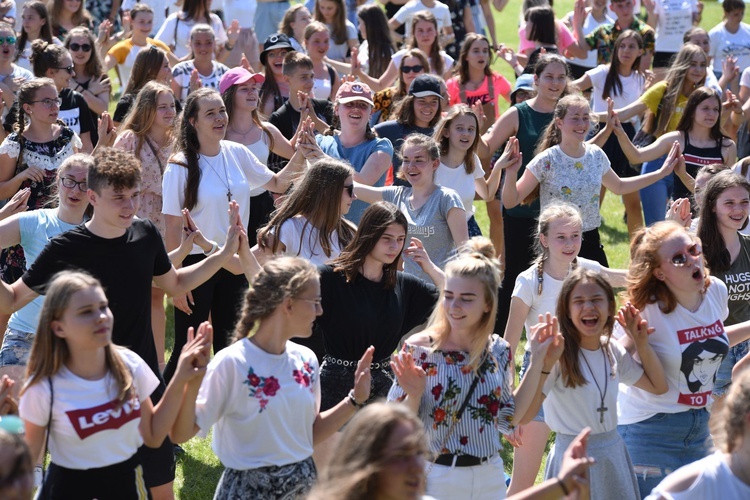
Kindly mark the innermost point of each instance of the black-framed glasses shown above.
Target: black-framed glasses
(349, 188)
(71, 183)
(75, 47)
(10, 40)
(69, 69)
(49, 103)
(418, 68)
(681, 259)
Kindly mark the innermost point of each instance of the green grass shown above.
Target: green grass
(198, 470)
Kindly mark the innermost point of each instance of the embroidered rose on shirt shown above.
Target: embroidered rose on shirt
(261, 388)
(304, 376)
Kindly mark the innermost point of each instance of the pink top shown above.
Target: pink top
(502, 89)
(564, 38)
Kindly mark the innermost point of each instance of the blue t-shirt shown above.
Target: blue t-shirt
(37, 227)
(357, 156)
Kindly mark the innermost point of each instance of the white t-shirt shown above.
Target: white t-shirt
(690, 346)
(527, 284)
(569, 410)
(162, 8)
(440, 10)
(244, 173)
(87, 429)
(715, 480)
(182, 71)
(241, 10)
(632, 89)
(301, 240)
(589, 26)
(675, 18)
(262, 405)
(458, 180)
(176, 32)
(724, 43)
(572, 180)
(447, 60)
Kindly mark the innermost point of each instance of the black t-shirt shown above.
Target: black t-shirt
(125, 266)
(286, 119)
(362, 313)
(75, 113)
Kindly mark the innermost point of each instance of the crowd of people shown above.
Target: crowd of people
(300, 181)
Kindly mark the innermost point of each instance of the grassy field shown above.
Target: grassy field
(198, 469)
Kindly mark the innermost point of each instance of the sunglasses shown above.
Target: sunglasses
(416, 69)
(10, 40)
(75, 47)
(681, 259)
(349, 188)
(69, 69)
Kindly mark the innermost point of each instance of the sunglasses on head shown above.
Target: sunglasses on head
(10, 40)
(681, 259)
(349, 188)
(75, 47)
(416, 69)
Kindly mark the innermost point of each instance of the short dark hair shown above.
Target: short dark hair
(116, 168)
(732, 5)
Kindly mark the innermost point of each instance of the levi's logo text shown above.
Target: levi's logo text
(703, 350)
(103, 417)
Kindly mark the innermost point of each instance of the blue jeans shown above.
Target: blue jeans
(664, 443)
(654, 197)
(525, 366)
(724, 375)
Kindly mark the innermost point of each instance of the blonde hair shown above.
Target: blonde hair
(280, 278)
(50, 352)
(550, 214)
(477, 260)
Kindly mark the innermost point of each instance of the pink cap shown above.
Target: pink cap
(238, 76)
(354, 91)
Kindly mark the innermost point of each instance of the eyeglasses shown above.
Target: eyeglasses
(349, 188)
(10, 40)
(681, 259)
(69, 69)
(49, 103)
(409, 69)
(75, 47)
(71, 183)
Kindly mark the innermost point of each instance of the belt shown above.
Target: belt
(461, 460)
(384, 363)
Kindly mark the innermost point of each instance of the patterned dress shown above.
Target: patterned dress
(490, 409)
(44, 155)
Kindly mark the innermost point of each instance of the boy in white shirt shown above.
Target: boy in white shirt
(440, 10)
(730, 37)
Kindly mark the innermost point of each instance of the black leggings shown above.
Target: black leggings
(221, 296)
(592, 248)
(519, 255)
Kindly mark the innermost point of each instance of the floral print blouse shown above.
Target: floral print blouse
(449, 378)
(152, 169)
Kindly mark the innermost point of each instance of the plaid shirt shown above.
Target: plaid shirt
(603, 39)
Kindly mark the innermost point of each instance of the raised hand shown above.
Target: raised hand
(107, 131)
(575, 465)
(195, 354)
(233, 32)
(673, 159)
(512, 158)
(363, 377)
(411, 377)
(17, 204)
(579, 13)
(633, 323)
(679, 211)
(195, 81)
(8, 404)
(416, 252)
(478, 111)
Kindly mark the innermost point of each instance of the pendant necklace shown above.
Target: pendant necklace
(226, 175)
(602, 395)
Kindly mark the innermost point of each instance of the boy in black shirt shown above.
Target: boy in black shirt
(125, 255)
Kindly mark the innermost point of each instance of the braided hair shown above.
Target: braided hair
(27, 95)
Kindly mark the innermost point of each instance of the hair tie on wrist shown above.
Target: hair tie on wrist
(566, 492)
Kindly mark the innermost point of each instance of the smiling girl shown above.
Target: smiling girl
(34, 25)
(699, 134)
(30, 156)
(296, 18)
(725, 203)
(74, 369)
(201, 70)
(581, 389)
(623, 82)
(436, 215)
(202, 175)
(664, 104)
(332, 13)
(567, 168)
(460, 168)
(67, 14)
(317, 42)
(413, 64)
